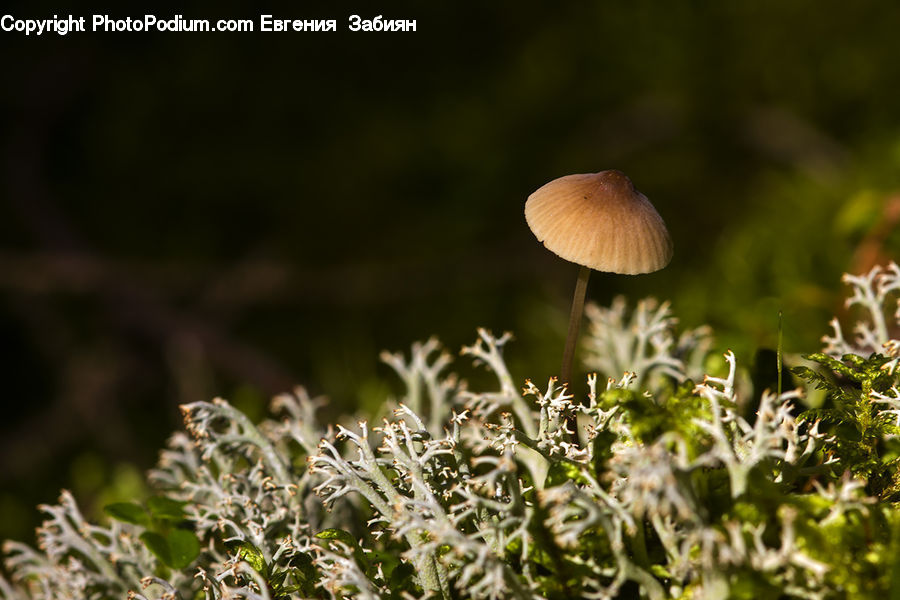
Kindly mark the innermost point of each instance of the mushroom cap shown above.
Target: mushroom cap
(600, 221)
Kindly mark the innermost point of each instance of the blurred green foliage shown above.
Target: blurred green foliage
(186, 216)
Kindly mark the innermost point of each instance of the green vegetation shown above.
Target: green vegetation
(671, 487)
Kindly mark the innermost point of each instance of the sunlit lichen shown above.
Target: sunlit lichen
(665, 491)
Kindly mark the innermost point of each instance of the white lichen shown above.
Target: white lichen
(490, 494)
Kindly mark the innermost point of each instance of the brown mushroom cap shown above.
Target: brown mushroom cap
(600, 221)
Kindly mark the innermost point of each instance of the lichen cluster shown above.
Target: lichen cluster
(675, 484)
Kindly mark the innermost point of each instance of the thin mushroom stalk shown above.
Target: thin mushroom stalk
(584, 273)
(599, 221)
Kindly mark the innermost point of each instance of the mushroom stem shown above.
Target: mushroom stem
(584, 274)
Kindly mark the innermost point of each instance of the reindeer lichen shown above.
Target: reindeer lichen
(666, 489)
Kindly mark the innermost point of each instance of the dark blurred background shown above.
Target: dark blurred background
(187, 215)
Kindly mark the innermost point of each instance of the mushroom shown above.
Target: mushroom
(599, 221)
